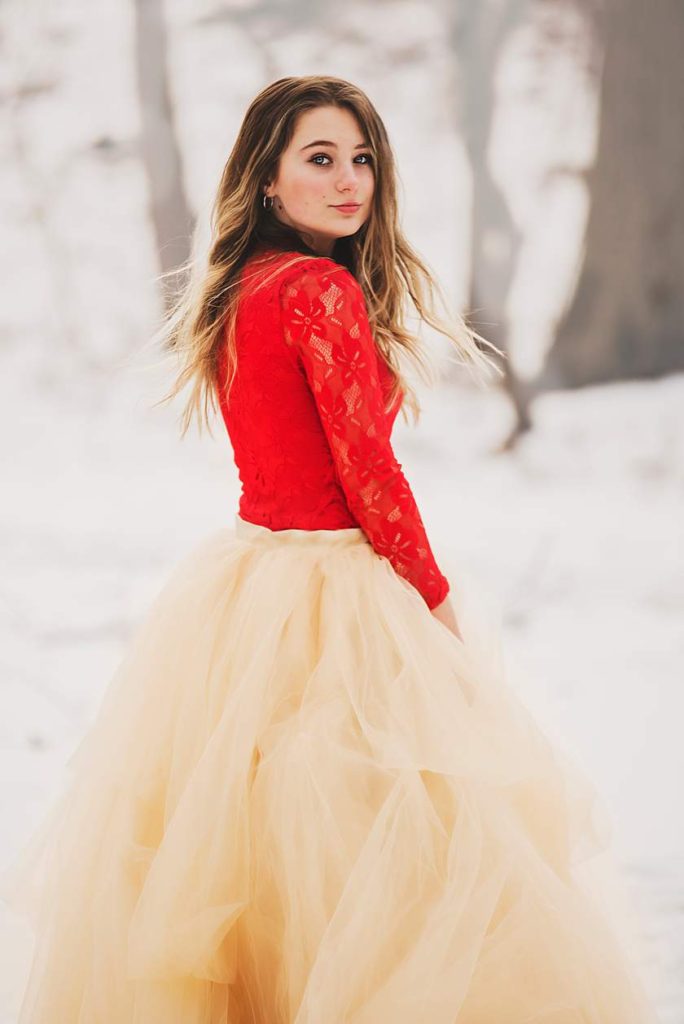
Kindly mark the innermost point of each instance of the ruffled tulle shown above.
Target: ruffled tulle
(304, 801)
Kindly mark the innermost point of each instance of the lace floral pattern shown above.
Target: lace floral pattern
(324, 319)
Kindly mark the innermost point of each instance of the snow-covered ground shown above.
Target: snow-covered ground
(576, 537)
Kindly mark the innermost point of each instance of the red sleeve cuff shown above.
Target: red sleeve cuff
(436, 597)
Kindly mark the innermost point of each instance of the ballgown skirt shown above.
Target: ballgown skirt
(303, 800)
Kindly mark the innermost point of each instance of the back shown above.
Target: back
(306, 415)
(283, 458)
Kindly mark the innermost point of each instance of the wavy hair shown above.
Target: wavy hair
(202, 316)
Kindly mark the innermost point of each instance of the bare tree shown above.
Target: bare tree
(171, 217)
(478, 33)
(626, 318)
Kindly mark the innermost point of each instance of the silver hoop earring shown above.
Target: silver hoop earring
(267, 206)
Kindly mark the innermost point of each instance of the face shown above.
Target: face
(326, 165)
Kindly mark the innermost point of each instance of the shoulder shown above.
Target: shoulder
(285, 274)
(312, 269)
(323, 309)
(320, 278)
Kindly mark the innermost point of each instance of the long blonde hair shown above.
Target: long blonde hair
(202, 317)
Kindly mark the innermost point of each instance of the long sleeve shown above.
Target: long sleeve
(324, 318)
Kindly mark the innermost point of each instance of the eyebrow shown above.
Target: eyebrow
(326, 142)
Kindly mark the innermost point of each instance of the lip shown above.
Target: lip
(346, 207)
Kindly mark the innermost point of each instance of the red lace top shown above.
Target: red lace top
(306, 414)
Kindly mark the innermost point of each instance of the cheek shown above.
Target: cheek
(370, 183)
(305, 187)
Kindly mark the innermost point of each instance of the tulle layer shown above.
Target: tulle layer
(304, 801)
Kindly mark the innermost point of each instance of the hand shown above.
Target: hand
(446, 615)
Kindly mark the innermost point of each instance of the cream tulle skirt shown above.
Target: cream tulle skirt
(305, 801)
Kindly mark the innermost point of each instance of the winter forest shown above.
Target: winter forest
(541, 157)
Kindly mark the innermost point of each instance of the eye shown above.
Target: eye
(365, 156)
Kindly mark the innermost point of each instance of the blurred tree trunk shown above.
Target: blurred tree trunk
(478, 33)
(172, 220)
(626, 318)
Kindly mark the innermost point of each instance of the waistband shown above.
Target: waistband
(332, 538)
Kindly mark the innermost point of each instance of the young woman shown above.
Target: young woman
(304, 800)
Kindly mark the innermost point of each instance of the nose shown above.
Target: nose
(348, 177)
